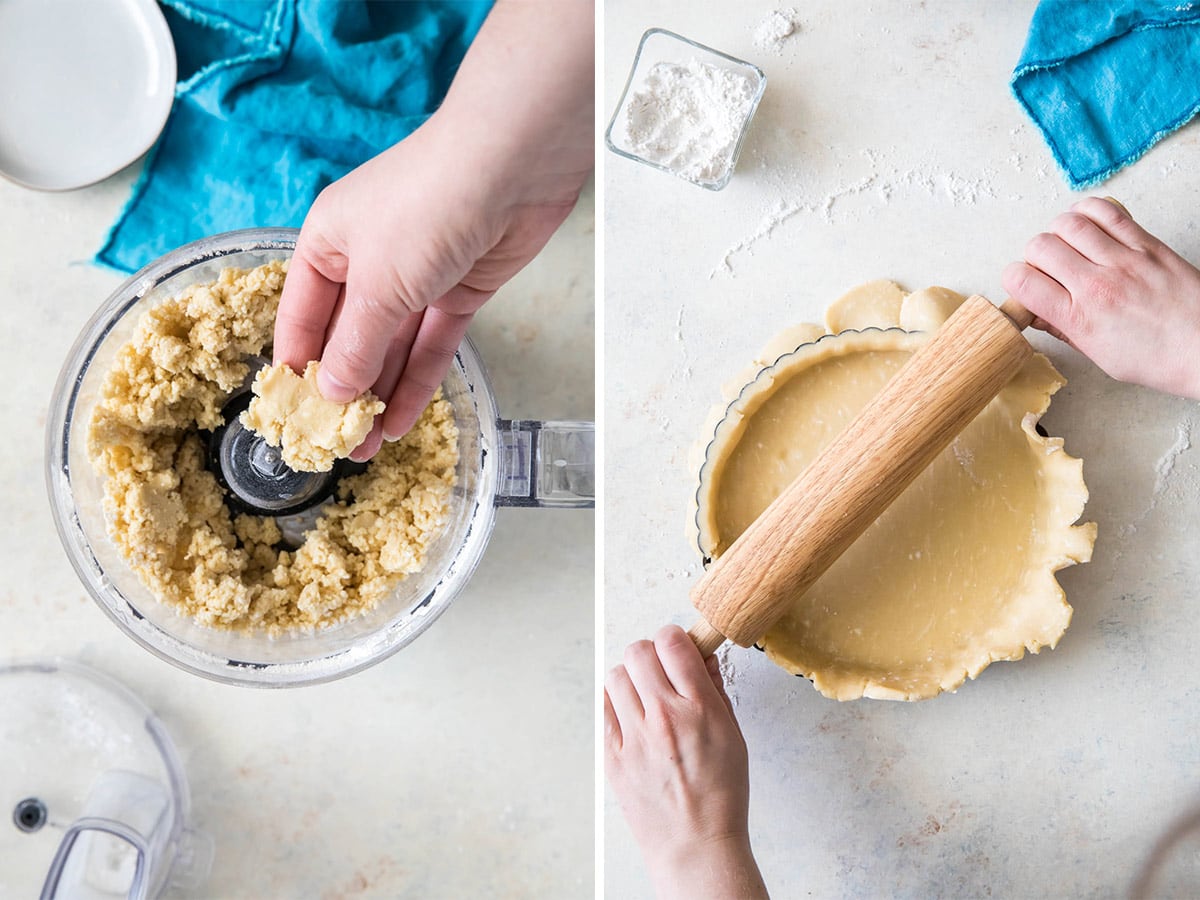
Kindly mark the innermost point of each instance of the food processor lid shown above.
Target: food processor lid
(93, 798)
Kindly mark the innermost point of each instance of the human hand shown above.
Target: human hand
(395, 258)
(1112, 290)
(677, 761)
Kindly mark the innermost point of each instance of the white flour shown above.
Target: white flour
(845, 196)
(1166, 463)
(687, 117)
(777, 27)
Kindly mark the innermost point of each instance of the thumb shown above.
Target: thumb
(361, 336)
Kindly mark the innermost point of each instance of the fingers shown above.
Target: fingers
(1075, 259)
(1037, 292)
(713, 665)
(1058, 259)
(462, 300)
(668, 666)
(646, 672)
(1042, 325)
(1116, 222)
(433, 348)
(1086, 237)
(370, 444)
(384, 386)
(357, 344)
(620, 692)
(397, 356)
(612, 725)
(354, 354)
(306, 308)
(682, 663)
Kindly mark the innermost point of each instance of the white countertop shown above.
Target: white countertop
(888, 146)
(462, 767)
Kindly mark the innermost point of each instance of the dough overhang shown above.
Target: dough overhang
(959, 572)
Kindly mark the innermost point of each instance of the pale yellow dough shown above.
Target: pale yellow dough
(959, 572)
(166, 512)
(311, 432)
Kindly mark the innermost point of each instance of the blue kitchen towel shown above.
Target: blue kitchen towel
(1105, 80)
(278, 98)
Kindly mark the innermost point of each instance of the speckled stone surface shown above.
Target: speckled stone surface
(887, 145)
(463, 766)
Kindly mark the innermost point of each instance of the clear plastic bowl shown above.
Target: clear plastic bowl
(660, 45)
(104, 798)
(242, 657)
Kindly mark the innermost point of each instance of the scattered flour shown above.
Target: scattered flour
(728, 660)
(785, 210)
(965, 457)
(1164, 474)
(965, 191)
(775, 29)
(1166, 463)
(795, 192)
(688, 117)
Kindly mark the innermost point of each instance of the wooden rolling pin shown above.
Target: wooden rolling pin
(933, 397)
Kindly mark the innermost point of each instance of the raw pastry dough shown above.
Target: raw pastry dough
(166, 512)
(958, 572)
(290, 413)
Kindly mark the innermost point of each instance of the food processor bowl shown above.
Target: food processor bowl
(500, 463)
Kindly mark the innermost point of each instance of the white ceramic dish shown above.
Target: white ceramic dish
(85, 88)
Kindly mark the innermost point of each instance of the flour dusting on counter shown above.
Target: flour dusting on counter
(729, 673)
(1166, 463)
(1173, 483)
(799, 191)
(775, 29)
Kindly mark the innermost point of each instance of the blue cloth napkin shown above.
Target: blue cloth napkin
(1105, 80)
(278, 98)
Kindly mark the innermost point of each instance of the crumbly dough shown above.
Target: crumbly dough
(166, 512)
(958, 572)
(312, 432)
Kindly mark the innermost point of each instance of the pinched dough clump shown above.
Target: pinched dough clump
(167, 514)
(312, 432)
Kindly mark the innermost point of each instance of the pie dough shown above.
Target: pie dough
(310, 431)
(959, 571)
(166, 513)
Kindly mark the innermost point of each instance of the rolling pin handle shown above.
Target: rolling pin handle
(1119, 205)
(1021, 317)
(706, 638)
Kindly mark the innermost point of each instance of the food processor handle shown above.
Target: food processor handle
(549, 464)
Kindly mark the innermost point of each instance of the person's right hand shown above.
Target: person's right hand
(1103, 284)
(677, 762)
(395, 258)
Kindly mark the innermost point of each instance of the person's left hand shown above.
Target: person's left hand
(677, 761)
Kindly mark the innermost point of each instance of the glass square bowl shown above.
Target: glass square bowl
(660, 45)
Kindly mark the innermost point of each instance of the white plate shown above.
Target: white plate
(85, 88)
